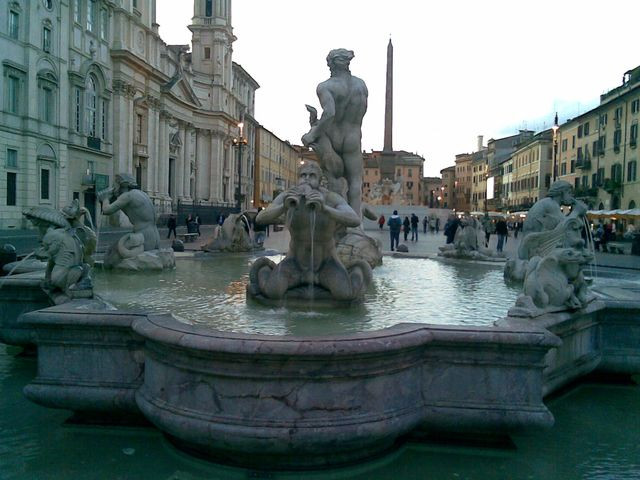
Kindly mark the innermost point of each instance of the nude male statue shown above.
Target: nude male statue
(546, 213)
(313, 214)
(343, 98)
(127, 196)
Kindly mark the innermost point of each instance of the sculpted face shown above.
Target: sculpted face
(310, 175)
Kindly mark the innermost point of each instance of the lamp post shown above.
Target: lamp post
(555, 147)
(238, 143)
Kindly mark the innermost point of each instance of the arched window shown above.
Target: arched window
(91, 106)
(208, 9)
(632, 205)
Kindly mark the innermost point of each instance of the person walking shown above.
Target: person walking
(198, 223)
(395, 224)
(414, 227)
(172, 224)
(437, 225)
(502, 231)
(381, 221)
(425, 224)
(406, 227)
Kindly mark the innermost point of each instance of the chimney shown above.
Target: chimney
(480, 139)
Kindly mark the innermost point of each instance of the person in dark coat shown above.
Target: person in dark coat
(406, 227)
(395, 224)
(414, 227)
(502, 231)
(172, 224)
(450, 228)
(198, 223)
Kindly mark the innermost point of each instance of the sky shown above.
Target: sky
(462, 68)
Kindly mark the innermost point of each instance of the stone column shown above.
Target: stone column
(202, 185)
(163, 154)
(179, 166)
(214, 163)
(188, 155)
(122, 121)
(153, 120)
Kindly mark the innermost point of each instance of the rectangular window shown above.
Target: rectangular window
(76, 10)
(105, 118)
(595, 148)
(594, 179)
(617, 139)
(78, 110)
(139, 123)
(207, 53)
(633, 135)
(585, 181)
(46, 39)
(564, 145)
(563, 169)
(632, 168)
(616, 172)
(14, 25)
(618, 114)
(47, 104)
(12, 158)
(90, 12)
(586, 129)
(44, 184)
(635, 106)
(573, 166)
(104, 24)
(580, 131)
(600, 176)
(573, 142)
(579, 155)
(13, 94)
(603, 120)
(12, 183)
(208, 9)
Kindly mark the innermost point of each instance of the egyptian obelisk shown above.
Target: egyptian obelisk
(388, 158)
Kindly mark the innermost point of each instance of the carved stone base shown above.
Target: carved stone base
(356, 246)
(149, 260)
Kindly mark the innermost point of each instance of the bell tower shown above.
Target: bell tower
(211, 39)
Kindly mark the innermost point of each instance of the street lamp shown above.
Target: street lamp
(238, 143)
(555, 147)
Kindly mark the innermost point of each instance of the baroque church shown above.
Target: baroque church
(90, 90)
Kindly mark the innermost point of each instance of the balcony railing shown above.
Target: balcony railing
(584, 164)
(585, 192)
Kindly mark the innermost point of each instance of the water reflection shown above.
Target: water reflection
(212, 292)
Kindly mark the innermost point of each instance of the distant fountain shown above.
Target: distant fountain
(468, 243)
(140, 249)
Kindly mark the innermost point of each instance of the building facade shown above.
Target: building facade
(277, 164)
(528, 172)
(462, 190)
(447, 186)
(598, 151)
(408, 169)
(91, 90)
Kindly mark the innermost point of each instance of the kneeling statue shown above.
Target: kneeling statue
(311, 268)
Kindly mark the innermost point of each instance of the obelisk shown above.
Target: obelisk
(388, 105)
(388, 157)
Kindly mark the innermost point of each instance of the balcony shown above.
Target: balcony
(584, 164)
(611, 186)
(585, 192)
(94, 143)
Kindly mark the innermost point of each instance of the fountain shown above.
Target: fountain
(307, 401)
(467, 243)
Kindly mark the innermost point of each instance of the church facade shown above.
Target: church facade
(89, 90)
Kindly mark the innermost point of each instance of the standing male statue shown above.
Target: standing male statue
(337, 135)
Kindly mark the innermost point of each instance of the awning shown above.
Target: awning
(634, 213)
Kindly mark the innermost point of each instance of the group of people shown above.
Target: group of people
(192, 222)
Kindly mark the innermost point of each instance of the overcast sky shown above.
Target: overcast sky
(461, 68)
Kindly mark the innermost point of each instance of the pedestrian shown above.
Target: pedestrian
(451, 227)
(425, 223)
(598, 237)
(414, 227)
(198, 223)
(502, 231)
(437, 225)
(406, 227)
(489, 228)
(381, 221)
(172, 224)
(432, 224)
(188, 220)
(395, 224)
(220, 219)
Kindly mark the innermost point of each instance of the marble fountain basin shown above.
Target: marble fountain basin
(303, 397)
